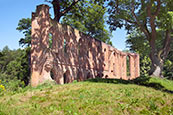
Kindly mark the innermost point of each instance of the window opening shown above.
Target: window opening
(128, 65)
(65, 46)
(50, 40)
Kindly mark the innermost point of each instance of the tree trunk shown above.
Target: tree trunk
(58, 13)
(157, 62)
(56, 8)
(158, 57)
(157, 65)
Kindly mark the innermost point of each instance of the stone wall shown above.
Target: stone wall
(68, 54)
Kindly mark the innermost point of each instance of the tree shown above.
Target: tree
(94, 25)
(14, 65)
(137, 42)
(24, 26)
(87, 16)
(6, 55)
(147, 16)
(19, 67)
(168, 67)
(61, 7)
(90, 20)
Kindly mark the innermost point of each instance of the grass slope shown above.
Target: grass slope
(98, 96)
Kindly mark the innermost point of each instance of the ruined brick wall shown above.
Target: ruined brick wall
(72, 55)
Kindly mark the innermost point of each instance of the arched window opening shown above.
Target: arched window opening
(128, 65)
(52, 74)
(50, 40)
(65, 46)
(106, 76)
(65, 78)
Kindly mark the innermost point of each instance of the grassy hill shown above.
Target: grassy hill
(98, 96)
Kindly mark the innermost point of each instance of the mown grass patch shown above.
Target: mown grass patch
(96, 96)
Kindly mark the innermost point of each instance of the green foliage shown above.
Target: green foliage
(86, 16)
(24, 26)
(168, 66)
(168, 69)
(149, 24)
(15, 71)
(14, 86)
(6, 55)
(145, 64)
(122, 13)
(2, 88)
(137, 42)
(19, 67)
(46, 84)
(89, 17)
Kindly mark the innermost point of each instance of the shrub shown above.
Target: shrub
(145, 64)
(11, 83)
(2, 88)
(14, 85)
(168, 69)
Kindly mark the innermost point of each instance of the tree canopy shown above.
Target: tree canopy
(136, 42)
(14, 65)
(24, 26)
(61, 7)
(147, 16)
(90, 19)
(151, 19)
(86, 16)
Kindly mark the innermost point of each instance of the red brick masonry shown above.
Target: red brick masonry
(73, 55)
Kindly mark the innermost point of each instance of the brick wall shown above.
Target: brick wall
(68, 54)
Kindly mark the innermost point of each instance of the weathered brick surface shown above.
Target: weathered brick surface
(73, 55)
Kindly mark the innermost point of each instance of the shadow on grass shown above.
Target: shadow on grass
(142, 81)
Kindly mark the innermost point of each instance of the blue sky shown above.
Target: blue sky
(14, 10)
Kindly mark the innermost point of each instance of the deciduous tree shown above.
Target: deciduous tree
(90, 20)
(24, 26)
(86, 16)
(61, 7)
(147, 16)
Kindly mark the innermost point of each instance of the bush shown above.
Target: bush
(11, 83)
(168, 69)
(145, 64)
(14, 85)
(2, 88)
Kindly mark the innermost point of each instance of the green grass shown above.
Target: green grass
(98, 96)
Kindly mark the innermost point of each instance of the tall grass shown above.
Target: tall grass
(97, 96)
